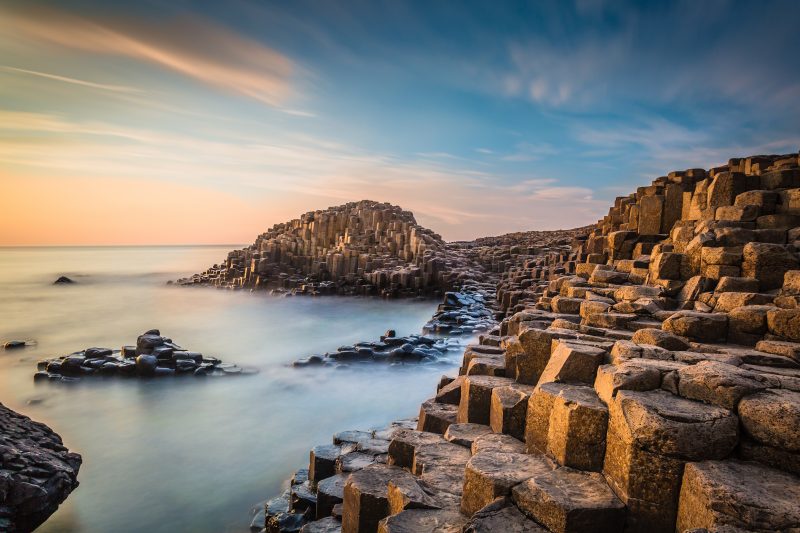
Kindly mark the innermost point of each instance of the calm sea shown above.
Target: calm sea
(189, 454)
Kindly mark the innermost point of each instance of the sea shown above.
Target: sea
(192, 454)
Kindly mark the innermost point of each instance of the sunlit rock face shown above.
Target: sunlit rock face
(365, 246)
(650, 363)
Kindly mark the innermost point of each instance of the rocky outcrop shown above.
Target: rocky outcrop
(358, 248)
(645, 377)
(153, 356)
(36, 472)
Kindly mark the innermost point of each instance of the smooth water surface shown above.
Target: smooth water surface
(189, 454)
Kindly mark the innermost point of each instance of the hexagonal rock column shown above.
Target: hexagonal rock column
(650, 437)
(719, 383)
(572, 362)
(703, 327)
(476, 398)
(423, 521)
(322, 461)
(528, 365)
(465, 434)
(737, 496)
(490, 475)
(509, 409)
(568, 422)
(431, 456)
(570, 501)
(405, 493)
(497, 442)
(626, 376)
(436, 417)
(405, 442)
(330, 491)
(366, 497)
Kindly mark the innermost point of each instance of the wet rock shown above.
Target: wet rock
(330, 491)
(63, 280)
(10, 345)
(37, 472)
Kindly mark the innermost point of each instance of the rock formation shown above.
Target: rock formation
(36, 472)
(366, 248)
(360, 247)
(153, 356)
(644, 377)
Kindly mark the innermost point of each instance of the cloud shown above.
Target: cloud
(191, 46)
(74, 81)
(297, 171)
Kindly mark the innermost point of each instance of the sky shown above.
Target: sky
(177, 122)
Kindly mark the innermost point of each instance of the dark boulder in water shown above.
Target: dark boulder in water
(153, 355)
(10, 345)
(63, 280)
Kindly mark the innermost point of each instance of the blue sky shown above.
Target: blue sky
(481, 117)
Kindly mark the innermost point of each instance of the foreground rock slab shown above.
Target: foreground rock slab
(37, 472)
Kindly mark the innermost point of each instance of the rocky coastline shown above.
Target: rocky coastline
(37, 472)
(644, 376)
(639, 374)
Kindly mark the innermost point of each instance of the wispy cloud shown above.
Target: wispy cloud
(446, 194)
(74, 81)
(191, 46)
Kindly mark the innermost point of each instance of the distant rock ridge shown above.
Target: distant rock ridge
(364, 246)
(367, 247)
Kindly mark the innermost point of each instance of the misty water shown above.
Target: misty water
(191, 454)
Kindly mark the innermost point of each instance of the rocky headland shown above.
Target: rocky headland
(153, 356)
(644, 376)
(37, 472)
(366, 248)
